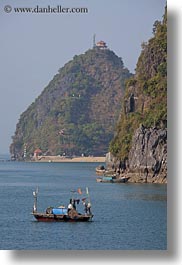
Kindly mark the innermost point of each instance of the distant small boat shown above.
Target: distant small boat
(106, 179)
(100, 169)
(63, 214)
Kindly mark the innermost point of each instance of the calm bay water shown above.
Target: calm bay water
(126, 216)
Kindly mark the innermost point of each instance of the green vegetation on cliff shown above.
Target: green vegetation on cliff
(145, 99)
(78, 109)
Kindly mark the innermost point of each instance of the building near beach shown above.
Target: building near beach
(37, 152)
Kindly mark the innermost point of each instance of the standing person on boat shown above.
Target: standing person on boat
(85, 205)
(74, 203)
(86, 208)
(70, 206)
(89, 207)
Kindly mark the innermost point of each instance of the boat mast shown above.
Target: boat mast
(35, 193)
(87, 192)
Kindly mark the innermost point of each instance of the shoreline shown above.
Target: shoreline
(59, 159)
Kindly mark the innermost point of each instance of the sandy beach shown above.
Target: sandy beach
(65, 159)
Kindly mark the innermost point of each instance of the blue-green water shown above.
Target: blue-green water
(126, 216)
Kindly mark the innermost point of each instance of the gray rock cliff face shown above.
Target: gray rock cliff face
(147, 161)
(148, 156)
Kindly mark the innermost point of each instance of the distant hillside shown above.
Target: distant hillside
(77, 111)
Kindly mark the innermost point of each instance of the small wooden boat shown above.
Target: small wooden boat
(112, 179)
(62, 214)
(100, 170)
(43, 217)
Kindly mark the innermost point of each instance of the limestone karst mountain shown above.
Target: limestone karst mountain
(77, 111)
(140, 141)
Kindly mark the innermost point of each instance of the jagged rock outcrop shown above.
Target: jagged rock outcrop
(139, 145)
(148, 156)
(147, 161)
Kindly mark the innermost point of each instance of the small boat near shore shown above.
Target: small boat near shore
(100, 170)
(112, 179)
(63, 214)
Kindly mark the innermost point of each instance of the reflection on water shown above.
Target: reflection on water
(146, 197)
(144, 192)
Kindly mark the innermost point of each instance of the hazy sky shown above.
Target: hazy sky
(35, 45)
